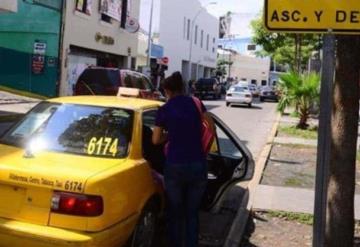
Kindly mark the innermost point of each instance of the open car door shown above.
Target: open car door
(229, 162)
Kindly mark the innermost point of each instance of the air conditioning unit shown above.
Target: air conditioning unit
(8, 6)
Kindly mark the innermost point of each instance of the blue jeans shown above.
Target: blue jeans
(185, 185)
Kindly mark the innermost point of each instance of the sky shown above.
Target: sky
(244, 11)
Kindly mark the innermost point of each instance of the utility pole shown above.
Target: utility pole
(324, 141)
(149, 35)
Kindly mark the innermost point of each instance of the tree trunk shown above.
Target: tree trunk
(345, 116)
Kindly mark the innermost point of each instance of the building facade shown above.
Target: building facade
(93, 36)
(182, 24)
(29, 48)
(253, 69)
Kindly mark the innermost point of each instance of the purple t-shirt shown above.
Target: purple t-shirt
(181, 118)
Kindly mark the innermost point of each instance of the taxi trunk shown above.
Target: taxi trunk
(31, 188)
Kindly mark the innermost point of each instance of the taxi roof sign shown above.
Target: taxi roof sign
(309, 16)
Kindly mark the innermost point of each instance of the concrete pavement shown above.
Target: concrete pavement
(15, 104)
(296, 141)
(290, 199)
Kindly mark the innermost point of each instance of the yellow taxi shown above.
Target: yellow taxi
(82, 171)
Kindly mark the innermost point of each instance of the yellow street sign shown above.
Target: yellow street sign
(337, 16)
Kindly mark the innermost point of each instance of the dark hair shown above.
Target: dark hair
(174, 83)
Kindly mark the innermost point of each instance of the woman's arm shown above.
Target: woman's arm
(158, 137)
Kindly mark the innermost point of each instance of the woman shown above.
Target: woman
(179, 124)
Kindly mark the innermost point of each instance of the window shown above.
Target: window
(149, 118)
(213, 49)
(83, 6)
(77, 129)
(214, 40)
(202, 39)
(188, 30)
(105, 18)
(251, 47)
(184, 34)
(253, 81)
(207, 42)
(226, 146)
(263, 83)
(196, 34)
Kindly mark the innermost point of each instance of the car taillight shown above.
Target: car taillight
(76, 204)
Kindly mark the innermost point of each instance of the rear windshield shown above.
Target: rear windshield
(77, 129)
(99, 79)
(238, 89)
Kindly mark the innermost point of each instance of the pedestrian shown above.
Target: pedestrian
(179, 124)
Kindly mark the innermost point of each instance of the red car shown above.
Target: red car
(106, 81)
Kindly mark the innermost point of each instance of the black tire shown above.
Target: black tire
(261, 99)
(143, 235)
(227, 104)
(249, 105)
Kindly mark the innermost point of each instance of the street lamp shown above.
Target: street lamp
(191, 34)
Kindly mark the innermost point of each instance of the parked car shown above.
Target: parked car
(239, 94)
(205, 87)
(254, 89)
(82, 171)
(268, 93)
(106, 81)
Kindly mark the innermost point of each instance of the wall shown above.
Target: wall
(18, 33)
(248, 67)
(80, 31)
(173, 35)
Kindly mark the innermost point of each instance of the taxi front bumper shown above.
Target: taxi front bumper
(19, 234)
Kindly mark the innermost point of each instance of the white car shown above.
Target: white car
(239, 94)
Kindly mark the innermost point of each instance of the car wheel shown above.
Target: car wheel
(144, 232)
(261, 99)
(249, 105)
(227, 104)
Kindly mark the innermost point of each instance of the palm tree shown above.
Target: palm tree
(301, 91)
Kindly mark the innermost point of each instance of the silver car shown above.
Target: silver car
(239, 94)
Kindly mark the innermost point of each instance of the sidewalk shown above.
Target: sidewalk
(290, 199)
(11, 104)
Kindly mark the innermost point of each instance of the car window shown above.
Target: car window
(238, 89)
(149, 118)
(128, 80)
(226, 146)
(93, 80)
(147, 84)
(77, 129)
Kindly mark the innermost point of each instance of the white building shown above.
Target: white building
(177, 17)
(244, 67)
(8, 6)
(92, 36)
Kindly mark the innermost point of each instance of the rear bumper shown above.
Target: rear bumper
(238, 100)
(21, 234)
(272, 97)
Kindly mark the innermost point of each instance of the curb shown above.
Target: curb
(238, 227)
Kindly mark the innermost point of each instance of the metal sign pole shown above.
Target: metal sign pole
(324, 140)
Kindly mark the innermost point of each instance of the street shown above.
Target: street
(251, 125)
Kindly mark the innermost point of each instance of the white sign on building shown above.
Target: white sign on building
(8, 6)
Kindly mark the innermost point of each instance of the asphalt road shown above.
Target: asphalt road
(252, 125)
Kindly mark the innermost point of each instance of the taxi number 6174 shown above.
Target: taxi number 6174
(102, 146)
